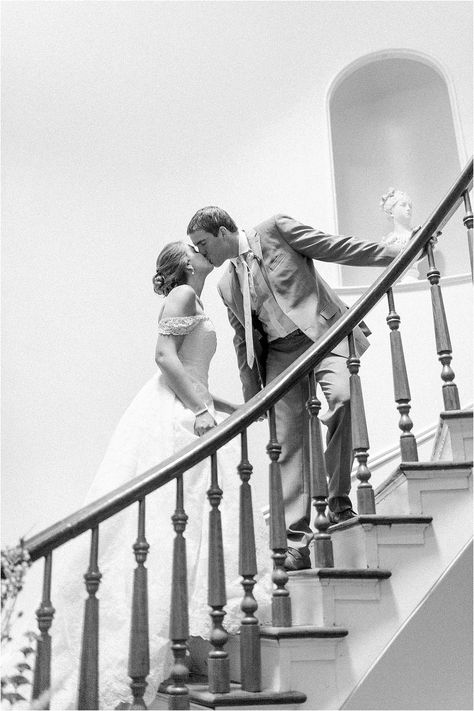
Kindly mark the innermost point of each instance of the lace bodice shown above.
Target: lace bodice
(198, 346)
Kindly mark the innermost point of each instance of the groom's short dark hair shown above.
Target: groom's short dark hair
(210, 219)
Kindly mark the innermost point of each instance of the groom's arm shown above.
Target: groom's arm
(333, 248)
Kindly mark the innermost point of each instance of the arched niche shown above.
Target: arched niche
(392, 124)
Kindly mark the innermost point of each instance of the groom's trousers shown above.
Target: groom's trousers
(293, 434)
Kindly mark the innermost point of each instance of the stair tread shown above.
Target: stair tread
(199, 693)
(437, 464)
(379, 520)
(298, 631)
(357, 573)
(456, 414)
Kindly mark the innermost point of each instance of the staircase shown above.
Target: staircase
(336, 626)
(346, 617)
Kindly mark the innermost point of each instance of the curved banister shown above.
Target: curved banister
(162, 473)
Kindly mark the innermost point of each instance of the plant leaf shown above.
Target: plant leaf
(27, 650)
(18, 679)
(23, 666)
(13, 697)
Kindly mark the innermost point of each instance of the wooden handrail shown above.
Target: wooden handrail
(121, 497)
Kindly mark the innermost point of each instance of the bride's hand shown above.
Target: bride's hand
(203, 423)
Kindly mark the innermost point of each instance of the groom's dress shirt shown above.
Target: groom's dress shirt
(274, 321)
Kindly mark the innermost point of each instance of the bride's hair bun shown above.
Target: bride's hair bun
(171, 268)
(158, 283)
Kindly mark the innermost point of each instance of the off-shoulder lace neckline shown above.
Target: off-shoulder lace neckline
(183, 319)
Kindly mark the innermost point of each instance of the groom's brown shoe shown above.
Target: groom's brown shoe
(298, 559)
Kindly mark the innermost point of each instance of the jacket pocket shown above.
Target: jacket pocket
(329, 310)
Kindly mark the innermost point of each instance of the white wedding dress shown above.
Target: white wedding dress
(154, 427)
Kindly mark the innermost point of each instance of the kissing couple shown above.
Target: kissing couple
(278, 306)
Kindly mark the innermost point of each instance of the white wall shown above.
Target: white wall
(120, 119)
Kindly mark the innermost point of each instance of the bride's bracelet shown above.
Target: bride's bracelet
(201, 412)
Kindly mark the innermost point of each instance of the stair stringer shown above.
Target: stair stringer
(427, 665)
(374, 619)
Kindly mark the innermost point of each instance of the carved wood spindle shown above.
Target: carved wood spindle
(468, 223)
(139, 653)
(44, 615)
(360, 437)
(179, 619)
(319, 483)
(443, 341)
(218, 659)
(281, 603)
(250, 657)
(401, 388)
(88, 697)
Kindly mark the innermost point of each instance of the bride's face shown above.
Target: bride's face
(198, 262)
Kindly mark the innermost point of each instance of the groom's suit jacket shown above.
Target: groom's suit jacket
(286, 249)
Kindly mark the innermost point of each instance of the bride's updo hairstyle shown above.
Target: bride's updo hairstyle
(171, 268)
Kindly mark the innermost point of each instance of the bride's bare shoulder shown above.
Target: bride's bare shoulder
(181, 301)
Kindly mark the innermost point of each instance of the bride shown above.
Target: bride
(172, 410)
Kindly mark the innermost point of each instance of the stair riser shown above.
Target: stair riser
(361, 547)
(407, 492)
(314, 601)
(307, 662)
(454, 440)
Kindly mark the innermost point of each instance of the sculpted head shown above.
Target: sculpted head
(398, 206)
(215, 234)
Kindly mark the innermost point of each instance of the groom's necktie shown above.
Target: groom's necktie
(244, 278)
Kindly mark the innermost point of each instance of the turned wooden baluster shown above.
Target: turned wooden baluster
(360, 437)
(179, 621)
(401, 388)
(443, 342)
(218, 659)
(88, 697)
(319, 484)
(281, 603)
(139, 654)
(250, 659)
(44, 615)
(468, 222)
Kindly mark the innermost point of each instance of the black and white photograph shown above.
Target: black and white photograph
(237, 334)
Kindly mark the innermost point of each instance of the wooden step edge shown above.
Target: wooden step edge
(302, 631)
(341, 573)
(438, 464)
(200, 694)
(380, 520)
(357, 573)
(456, 414)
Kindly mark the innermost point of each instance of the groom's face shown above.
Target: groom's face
(213, 247)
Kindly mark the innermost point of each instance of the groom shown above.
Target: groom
(279, 305)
